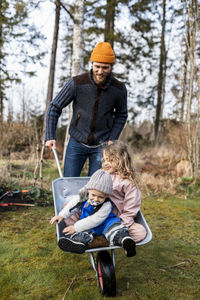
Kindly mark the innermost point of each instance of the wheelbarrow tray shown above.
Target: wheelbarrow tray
(65, 187)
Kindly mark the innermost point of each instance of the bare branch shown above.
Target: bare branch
(63, 6)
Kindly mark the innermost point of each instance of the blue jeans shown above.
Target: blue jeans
(76, 155)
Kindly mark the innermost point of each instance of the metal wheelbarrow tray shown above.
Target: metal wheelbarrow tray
(104, 266)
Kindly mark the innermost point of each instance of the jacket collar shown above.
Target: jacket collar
(105, 85)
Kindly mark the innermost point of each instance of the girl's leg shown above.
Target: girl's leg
(118, 235)
(137, 232)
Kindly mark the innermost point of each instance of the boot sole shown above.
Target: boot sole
(69, 245)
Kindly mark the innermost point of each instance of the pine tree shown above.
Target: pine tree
(15, 34)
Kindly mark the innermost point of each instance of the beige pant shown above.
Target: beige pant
(137, 232)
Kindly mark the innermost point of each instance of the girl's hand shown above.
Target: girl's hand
(69, 229)
(56, 218)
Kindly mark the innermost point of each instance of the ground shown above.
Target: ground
(33, 267)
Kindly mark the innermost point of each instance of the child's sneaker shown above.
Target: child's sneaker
(68, 245)
(129, 246)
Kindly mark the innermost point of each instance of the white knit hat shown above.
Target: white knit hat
(100, 181)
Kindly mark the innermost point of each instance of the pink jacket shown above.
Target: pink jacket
(127, 199)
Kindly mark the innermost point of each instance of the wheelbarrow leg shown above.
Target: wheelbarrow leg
(93, 262)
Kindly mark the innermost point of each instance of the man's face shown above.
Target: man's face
(100, 71)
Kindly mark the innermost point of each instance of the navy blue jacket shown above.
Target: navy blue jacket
(99, 112)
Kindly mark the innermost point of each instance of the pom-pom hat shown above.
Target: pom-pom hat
(100, 181)
(103, 53)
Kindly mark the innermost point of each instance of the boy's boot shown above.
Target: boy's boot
(76, 243)
(68, 245)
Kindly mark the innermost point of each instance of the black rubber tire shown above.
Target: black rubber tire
(106, 274)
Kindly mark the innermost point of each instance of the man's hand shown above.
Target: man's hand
(56, 218)
(69, 229)
(51, 144)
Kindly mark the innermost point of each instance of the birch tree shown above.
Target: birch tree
(184, 81)
(193, 101)
(77, 55)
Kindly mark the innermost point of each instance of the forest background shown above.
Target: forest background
(157, 53)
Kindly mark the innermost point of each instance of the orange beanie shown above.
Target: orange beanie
(103, 53)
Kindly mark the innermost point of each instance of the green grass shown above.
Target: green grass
(33, 267)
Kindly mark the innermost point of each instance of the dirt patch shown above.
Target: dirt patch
(20, 199)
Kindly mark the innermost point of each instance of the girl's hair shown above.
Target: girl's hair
(120, 159)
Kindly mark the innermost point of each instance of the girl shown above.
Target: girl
(126, 195)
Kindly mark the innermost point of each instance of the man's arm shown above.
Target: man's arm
(63, 98)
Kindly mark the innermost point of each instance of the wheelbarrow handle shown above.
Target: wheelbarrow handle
(57, 162)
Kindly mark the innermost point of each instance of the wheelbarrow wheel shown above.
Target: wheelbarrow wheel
(106, 274)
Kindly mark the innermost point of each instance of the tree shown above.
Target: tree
(15, 34)
(161, 74)
(77, 55)
(109, 21)
(193, 97)
(51, 80)
(10, 17)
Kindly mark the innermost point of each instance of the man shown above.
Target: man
(99, 112)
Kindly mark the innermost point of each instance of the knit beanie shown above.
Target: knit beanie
(100, 181)
(103, 53)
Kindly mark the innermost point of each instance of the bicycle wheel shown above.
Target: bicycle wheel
(106, 274)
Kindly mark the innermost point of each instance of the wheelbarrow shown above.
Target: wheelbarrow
(104, 264)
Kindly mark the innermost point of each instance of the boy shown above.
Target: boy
(96, 218)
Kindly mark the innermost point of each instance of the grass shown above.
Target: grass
(33, 267)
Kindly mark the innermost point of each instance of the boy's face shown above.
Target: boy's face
(96, 197)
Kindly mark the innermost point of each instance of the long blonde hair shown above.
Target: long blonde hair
(120, 159)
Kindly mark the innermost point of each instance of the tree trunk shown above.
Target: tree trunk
(77, 56)
(161, 75)
(52, 63)
(51, 77)
(184, 86)
(192, 125)
(1, 79)
(109, 21)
